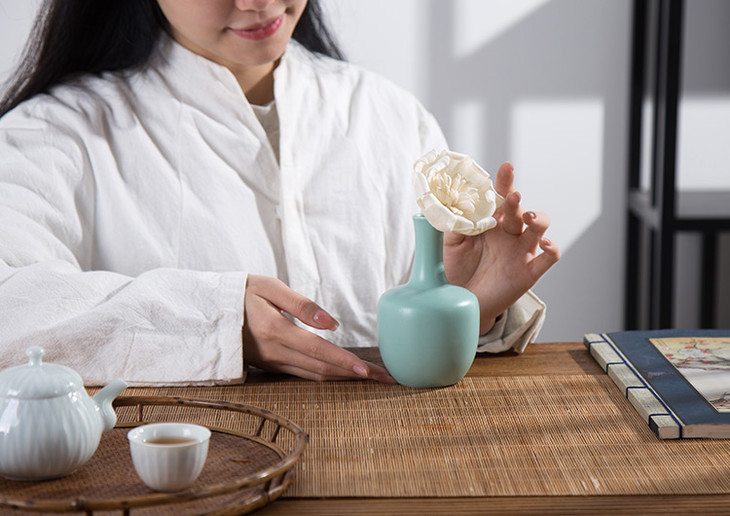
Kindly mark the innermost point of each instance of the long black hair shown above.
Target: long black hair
(74, 37)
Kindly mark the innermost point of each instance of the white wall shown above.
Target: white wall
(541, 83)
(544, 84)
(16, 18)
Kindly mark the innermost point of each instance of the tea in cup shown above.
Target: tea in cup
(169, 456)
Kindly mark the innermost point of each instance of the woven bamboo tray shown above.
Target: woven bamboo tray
(251, 456)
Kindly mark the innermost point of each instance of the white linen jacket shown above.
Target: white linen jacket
(133, 206)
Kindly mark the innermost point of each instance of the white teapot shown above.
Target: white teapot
(49, 425)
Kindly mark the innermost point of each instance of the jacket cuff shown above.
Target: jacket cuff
(515, 328)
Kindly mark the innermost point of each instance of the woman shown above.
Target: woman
(182, 182)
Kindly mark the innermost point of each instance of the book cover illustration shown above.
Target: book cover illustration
(704, 362)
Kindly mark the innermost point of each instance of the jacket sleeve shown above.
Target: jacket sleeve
(515, 328)
(164, 326)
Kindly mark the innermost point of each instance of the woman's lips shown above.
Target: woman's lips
(261, 32)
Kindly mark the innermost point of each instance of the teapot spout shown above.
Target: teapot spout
(103, 400)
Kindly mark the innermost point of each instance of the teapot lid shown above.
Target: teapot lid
(37, 380)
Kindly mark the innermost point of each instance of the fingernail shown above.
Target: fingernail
(360, 370)
(546, 242)
(322, 318)
(531, 214)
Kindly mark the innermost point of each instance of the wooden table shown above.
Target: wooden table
(545, 432)
(559, 359)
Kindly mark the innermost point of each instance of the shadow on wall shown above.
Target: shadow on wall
(564, 50)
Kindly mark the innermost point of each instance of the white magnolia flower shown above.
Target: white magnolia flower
(454, 193)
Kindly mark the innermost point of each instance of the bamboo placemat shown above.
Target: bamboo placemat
(492, 436)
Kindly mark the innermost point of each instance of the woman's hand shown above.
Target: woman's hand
(272, 342)
(501, 264)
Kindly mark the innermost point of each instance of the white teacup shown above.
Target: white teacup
(169, 456)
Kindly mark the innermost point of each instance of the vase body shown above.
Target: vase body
(428, 329)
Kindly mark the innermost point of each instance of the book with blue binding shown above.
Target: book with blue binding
(678, 380)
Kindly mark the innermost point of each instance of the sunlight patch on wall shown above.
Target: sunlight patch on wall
(477, 22)
(703, 152)
(468, 130)
(558, 156)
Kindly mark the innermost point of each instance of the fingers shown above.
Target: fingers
(512, 217)
(291, 302)
(505, 182)
(309, 375)
(380, 374)
(297, 351)
(546, 259)
(322, 320)
(537, 224)
(324, 359)
(274, 343)
(511, 209)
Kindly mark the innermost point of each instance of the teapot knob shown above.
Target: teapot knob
(34, 354)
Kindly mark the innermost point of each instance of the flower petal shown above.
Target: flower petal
(437, 214)
(420, 184)
(455, 193)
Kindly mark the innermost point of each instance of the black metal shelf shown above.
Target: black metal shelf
(657, 214)
(697, 210)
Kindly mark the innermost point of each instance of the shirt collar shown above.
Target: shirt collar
(202, 83)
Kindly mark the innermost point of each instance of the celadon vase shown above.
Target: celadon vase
(428, 329)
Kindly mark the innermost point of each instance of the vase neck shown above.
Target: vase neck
(428, 263)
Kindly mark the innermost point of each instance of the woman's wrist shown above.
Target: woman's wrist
(488, 324)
